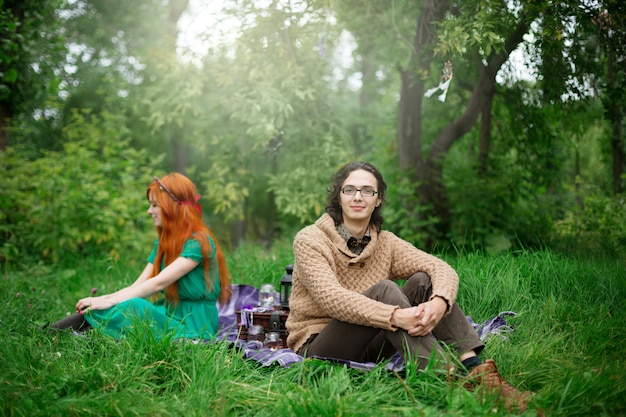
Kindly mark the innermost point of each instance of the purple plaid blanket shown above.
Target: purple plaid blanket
(244, 295)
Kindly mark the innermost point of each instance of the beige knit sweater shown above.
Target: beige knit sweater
(328, 279)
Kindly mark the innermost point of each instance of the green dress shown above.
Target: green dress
(195, 315)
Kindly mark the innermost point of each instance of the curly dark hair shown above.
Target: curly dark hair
(333, 204)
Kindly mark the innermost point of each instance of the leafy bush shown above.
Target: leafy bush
(599, 226)
(87, 199)
(403, 213)
(481, 210)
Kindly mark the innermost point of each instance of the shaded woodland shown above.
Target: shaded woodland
(525, 148)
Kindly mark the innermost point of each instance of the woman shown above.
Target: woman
(186, 264)
(346, 305)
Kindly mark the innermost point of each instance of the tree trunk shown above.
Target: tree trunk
(619, 156)
(181, 159)
(368, 77)
(577, 176)
(432, 189)
(5, 122)
(484, 139)
(15, 10)
(239, 233)
(366, 97)
(616, 116)
(409, 126)
(176, 9)
(410, 123)
(267, 236)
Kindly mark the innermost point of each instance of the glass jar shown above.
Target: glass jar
(267, 296)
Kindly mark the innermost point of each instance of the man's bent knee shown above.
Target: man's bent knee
(420, 278)
(385, 291)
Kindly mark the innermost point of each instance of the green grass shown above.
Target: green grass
(567, 346)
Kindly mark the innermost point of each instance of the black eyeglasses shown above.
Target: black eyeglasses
(164, 188)
(365, 191)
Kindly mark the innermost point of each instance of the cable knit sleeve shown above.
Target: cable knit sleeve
(408, 260)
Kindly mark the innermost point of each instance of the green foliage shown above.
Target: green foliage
(116, 28)
(483, 32)
(526, 186)
(403, 212)
(599, 226)
(172, 98)
(507, 207)
(482, 210)
(87, 199)
(270, 114)
(269, 139)
(226, 195)
(300, 188)
(31, 51)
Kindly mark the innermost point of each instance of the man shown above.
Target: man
(346, 305)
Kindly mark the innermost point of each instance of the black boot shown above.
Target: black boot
(75, 322)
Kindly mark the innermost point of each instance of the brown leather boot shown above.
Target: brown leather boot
(487, 377)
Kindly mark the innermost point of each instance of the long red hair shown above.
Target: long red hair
(181, 219)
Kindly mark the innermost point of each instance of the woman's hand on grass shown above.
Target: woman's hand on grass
(93, 303)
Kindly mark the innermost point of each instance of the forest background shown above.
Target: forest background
(98, 96)
(515, 176)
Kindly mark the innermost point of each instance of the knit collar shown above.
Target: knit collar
(327, 225)
(355, 245)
